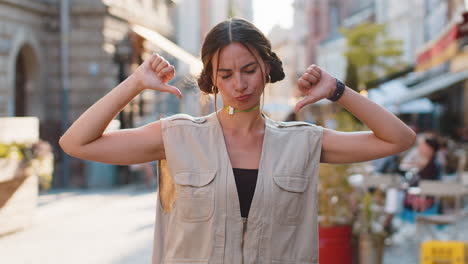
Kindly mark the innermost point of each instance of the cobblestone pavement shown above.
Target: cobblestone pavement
(87, 227)
(405, 245)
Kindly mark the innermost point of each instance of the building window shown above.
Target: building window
(334, 19)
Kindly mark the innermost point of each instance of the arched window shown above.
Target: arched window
(20, 85)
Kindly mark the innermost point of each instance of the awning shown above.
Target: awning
(398, 98)
(417, 106)
(170, 47)
(428, 87)
(388, 92)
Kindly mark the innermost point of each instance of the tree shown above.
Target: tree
(352, 76)
(370, 53)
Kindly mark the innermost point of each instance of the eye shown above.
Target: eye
(226, 76)
(251, 71)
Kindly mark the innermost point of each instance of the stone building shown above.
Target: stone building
(103, 50)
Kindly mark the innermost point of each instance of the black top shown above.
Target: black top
(246, 180)
(430, 171)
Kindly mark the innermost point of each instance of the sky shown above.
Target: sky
(268, 13)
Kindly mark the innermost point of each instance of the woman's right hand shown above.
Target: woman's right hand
(154, 73)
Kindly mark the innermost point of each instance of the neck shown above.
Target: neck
(241, 122)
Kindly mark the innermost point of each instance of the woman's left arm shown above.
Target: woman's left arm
(388, 135)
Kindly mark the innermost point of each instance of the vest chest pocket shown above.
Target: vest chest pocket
(289, 198)
(195, 195)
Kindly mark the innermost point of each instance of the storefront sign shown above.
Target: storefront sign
(445, 48)
(438, 51)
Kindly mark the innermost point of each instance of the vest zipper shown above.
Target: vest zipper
(244, 227)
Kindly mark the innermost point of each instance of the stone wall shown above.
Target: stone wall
(22, 29)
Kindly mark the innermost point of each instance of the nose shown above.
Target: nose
(240, 83)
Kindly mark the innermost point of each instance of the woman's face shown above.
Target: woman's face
(425, 149)
(239, 76)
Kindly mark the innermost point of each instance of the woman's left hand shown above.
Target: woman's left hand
(316, 84)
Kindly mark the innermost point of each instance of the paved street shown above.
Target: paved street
(86, 227)
(116, 227)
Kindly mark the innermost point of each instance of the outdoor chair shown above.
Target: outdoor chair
(439, 190)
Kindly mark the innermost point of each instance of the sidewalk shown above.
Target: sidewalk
(93, 227)
(115, 226)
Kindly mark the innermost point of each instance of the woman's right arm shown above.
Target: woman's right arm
(86, 139)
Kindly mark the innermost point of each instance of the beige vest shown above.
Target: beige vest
(198, 217)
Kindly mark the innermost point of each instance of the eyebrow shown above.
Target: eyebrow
(243, 67)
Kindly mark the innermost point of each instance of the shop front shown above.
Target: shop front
(440, 76)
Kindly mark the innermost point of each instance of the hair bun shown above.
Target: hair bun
(205, 83)
(276, 68)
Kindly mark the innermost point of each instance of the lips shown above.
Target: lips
(243, 97)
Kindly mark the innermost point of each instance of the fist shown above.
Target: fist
(162, 68)
(315, 84)
(154, 74)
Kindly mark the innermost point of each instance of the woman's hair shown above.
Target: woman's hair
(433, 143)
(241, 31)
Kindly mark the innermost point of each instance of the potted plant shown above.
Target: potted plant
(369, 226)
(338, 203)
(337, 206)
(24, 168)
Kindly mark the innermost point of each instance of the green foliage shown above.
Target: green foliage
(352, 79)
(338, 201)
(231, 12)
(4, 150)
(13, 149)
(335, 199)
(371, 217)
(370, 53)
(35, 159)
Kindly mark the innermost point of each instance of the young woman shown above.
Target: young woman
(424, 165)
(245, 185)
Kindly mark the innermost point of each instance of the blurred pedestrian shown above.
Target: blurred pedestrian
(423, 160)
(424, 165)
(245, 185)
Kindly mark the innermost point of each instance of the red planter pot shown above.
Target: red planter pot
(335, 245)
